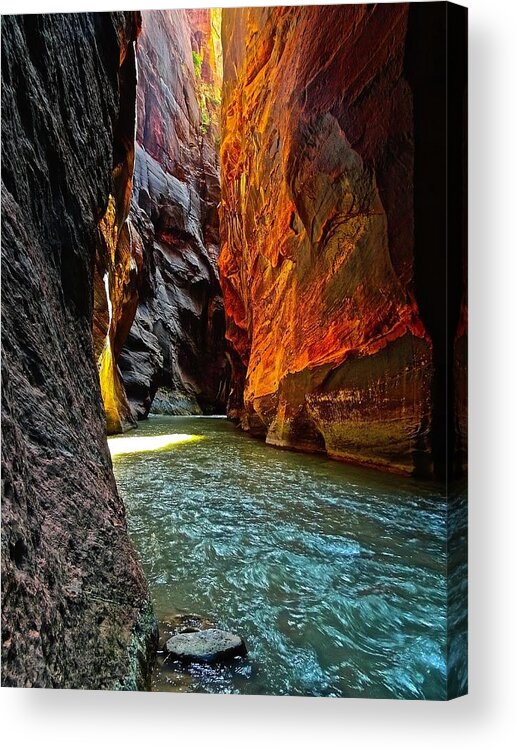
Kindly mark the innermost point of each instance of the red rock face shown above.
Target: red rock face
(175, 354)
(319, 261)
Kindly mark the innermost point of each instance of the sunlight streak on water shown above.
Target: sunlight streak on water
(122, 445)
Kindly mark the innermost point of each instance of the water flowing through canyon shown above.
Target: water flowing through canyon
(226, 263)
(335, 575)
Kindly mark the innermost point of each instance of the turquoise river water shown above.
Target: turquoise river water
(334, 575)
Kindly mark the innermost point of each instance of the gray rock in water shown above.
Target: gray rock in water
(206, 646)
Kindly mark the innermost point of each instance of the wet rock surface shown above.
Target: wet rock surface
(75, 609)
(177, 341)
(333, 260)
(205, 646)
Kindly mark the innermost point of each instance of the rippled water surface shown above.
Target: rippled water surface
(335, 576)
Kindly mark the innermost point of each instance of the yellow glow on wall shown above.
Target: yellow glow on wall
(216, 48)
(110, 388)
(121, 446)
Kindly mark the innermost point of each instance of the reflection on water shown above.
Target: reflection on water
(335, 576)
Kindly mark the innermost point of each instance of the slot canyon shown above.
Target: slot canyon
(223, 235)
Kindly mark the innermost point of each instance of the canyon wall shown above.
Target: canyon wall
(174, 356)
(333, 266)
(116, 270)
(75, 608)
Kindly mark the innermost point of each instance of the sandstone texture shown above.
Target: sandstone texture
(334, 249)
(75, 608)
(174, 356)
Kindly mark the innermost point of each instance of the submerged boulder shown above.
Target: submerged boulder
(208, 646)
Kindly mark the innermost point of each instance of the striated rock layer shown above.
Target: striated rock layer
(332, 266)
(75, 608)
(174, 357)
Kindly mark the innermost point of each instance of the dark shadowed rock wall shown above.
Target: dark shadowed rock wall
(334, 243)
(116, 268)
(75, 609)
(175, 356)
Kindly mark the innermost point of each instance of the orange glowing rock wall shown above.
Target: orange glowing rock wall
(330, 351)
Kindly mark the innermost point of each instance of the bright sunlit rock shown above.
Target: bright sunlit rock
(121, 445)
